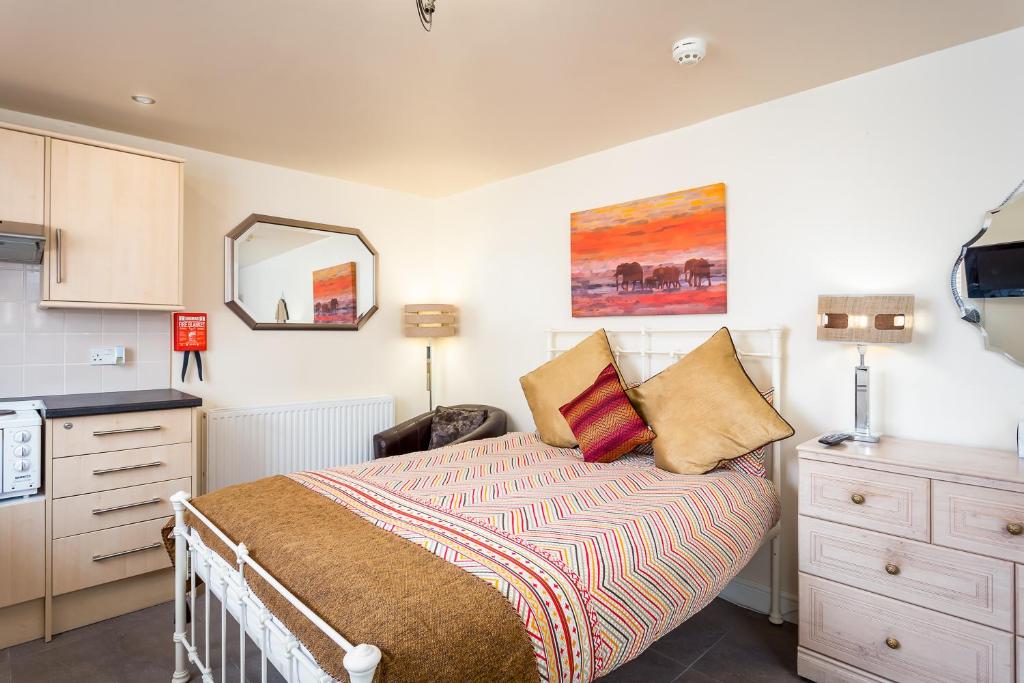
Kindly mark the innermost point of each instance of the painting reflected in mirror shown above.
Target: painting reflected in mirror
(288, 274)
(988, 278)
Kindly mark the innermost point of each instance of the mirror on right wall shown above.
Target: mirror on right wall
(988, 278)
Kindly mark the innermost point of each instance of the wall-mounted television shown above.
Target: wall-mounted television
(995, 270)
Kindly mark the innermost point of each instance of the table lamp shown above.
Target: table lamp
(863, 320)
(430, 321)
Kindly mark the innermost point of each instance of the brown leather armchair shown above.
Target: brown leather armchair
(414, 435)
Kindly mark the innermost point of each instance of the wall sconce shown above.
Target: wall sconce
(864, 320)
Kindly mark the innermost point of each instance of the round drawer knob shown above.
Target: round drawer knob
(1015, 529)
(68, 425)
(892, 569)
(892, 643)
(857, 498)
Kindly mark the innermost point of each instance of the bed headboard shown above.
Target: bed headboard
(642, 353)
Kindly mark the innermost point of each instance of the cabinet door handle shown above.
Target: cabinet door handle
(123, 468)
(126, 506)
(119, 553)
(60, 272)
(127, 430)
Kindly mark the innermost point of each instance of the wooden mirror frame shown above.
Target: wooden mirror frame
(229, 273)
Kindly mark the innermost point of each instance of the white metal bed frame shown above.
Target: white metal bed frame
(277, 645)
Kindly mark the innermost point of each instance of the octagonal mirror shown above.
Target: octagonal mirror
(988, 278)
(285, 274)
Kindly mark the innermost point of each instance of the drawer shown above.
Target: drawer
(962, 584)
(103, 433)
(898, 641)
(109, 555)
(104, 471)
(1020, 660)
(1020, 600)
(978, 519)
(106, 509)
(881, 501)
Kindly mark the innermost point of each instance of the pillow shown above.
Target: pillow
(451, 423)
(705, 409)
(604, 421)
(751, 463)
(560, 380)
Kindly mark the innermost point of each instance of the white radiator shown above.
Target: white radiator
(243, 444)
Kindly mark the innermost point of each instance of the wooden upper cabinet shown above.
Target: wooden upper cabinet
(22, 157)
(115, 228)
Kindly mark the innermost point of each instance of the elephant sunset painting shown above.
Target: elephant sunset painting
(661, 255)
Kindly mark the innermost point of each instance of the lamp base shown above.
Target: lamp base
(866, 437)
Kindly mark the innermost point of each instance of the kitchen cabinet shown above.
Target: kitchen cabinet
(113, 218)
(114, 229)
(22, 158)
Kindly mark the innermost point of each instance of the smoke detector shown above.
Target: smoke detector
(689, 50)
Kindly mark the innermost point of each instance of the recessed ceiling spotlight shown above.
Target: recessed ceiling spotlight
(689, 50)
(143, 99)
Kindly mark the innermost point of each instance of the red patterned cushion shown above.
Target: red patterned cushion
(603, 420)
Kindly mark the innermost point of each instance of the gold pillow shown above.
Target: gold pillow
(559, 381)
(705, 410)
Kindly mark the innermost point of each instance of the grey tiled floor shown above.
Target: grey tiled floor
(722, 643)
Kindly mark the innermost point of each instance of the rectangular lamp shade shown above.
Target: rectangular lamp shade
(429, 320)
(886, 319)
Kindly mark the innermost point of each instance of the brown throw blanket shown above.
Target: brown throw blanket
(432, 620)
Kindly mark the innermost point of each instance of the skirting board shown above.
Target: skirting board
(758, 597)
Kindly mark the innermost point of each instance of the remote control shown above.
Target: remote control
(833, 439)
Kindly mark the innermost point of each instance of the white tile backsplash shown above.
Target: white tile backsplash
(83, 321)
(46, 351)
(12, 285)
(43, 379)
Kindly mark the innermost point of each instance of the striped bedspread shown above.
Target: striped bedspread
(599, 560)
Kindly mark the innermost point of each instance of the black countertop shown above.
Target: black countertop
(106, 402)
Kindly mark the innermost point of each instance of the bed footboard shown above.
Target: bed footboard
(276, 644)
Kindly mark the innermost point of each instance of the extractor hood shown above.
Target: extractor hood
(21, 242)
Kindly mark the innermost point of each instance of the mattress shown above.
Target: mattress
(599, 560)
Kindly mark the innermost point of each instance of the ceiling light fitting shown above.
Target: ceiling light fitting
(689, 51)
(426, 12)
(143, 99)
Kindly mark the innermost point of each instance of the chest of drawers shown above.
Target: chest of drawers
(911, 563)
(109, 480)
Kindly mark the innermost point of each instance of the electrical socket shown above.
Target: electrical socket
(106, 355)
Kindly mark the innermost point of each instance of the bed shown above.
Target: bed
(579, 566)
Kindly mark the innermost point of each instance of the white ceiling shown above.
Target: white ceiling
(357, 90)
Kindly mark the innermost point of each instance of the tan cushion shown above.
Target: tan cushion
(560, 380)
(705, 410)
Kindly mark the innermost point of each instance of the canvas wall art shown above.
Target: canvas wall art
(661, 255)
(334, 294)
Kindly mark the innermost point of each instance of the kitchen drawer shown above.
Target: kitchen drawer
(104, 471)
(1020, 660)
(103, 433)
(881, 501)
(981, 520)
(962, 584)
(106, 509)
(1020, 600)
(109, 555)
(898, 641)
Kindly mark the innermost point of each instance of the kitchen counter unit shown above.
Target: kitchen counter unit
(109, 402)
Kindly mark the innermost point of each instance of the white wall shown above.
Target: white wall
(244, 367)
(866, 185)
